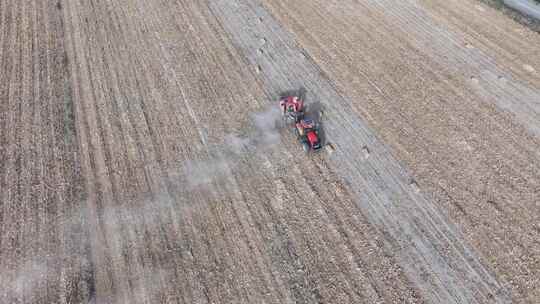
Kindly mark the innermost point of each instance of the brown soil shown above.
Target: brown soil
(140, 161)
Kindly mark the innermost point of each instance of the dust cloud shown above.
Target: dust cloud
(265, 126)
(126, 225)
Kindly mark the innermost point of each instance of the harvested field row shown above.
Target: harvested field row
(143, 158)
(40, 175)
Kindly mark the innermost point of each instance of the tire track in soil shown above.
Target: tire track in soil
(25, 150)
(275, 232)
(341, 224)
(37, 141)
(284, 258)
(5, 77)
(98, 277)
(32, 130)
(253, 233)
(364, 290)
(50, 213)
(12, 242)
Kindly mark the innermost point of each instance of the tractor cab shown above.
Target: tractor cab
(294, 112)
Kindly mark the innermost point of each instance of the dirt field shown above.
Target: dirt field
(143, 158)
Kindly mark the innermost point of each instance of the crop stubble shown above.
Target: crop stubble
(105, 103)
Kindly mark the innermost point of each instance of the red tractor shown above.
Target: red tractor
(293, 109)
(308, 134)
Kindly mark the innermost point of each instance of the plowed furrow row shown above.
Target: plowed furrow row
(142, 159)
